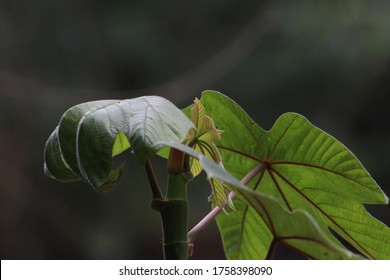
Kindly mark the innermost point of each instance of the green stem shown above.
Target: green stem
(174, 213)
(173, 208)
(174, 217)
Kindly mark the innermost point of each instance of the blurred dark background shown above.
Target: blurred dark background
(328, 60)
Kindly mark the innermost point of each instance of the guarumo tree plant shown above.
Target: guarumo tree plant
(294, 184)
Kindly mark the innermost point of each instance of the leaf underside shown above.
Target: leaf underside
(306, 168)
(90, 134)
(296, 229)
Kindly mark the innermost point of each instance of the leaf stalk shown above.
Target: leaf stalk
(194, 233)
(158, 200)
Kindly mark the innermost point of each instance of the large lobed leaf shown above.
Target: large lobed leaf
(90, 134)
(306, 168)
(296, 229)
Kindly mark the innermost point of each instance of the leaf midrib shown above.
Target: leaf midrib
(246, 209)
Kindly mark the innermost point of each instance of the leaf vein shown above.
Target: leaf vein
(280, 138)
(321, 211)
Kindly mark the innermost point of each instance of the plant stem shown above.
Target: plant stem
(196, 230)
(174, 213)
(174, 217)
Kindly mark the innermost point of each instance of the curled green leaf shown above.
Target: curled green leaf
(90, 134)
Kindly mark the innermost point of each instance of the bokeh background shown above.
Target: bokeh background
(328, 60)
